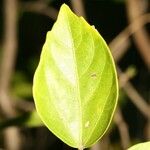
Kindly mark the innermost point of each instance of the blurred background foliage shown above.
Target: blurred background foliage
(124, 24)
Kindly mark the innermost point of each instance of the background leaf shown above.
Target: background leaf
(75, 85)
(141, 146)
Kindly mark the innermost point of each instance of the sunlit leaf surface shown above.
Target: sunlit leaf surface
(75, 85)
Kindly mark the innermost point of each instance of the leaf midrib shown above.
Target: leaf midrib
(77, 85)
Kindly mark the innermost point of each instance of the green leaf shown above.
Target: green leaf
(33, 120)
(75, 85)
(28, 119)
(20, 86)
(141, 146)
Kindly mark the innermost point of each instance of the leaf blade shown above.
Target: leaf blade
(75, 65)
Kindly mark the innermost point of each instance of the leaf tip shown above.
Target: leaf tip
(64, 8)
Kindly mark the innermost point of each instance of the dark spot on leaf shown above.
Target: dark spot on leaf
(93, 75)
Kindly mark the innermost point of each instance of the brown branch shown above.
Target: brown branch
(96, 146)
(39, 7)
(118, 118)
(78, 7)
(137, 99)
(21, 103)
(120, 43)
(103, 144)
(116, 45)
(134, 96)
(12, 138)
(124, 77)
(123, 129)
(8, 56)
(141, 37)
(11, 135)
